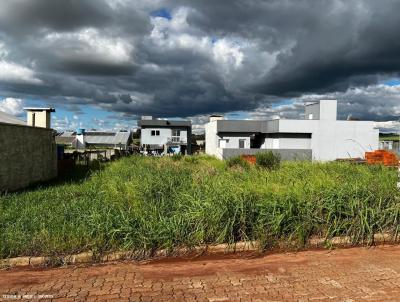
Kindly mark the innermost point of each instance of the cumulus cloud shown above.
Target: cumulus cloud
(389, 126)
(14, 73)
(12, 106)
(192, 58)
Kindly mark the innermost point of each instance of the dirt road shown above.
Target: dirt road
(356, 274)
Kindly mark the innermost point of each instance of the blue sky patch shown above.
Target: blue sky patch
(162, 13)
(283, 102)
(392, 82)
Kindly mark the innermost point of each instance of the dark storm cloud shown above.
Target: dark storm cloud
(206, 56)
(337, 44)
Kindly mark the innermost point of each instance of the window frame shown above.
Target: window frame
(155, 133)
(176, 132)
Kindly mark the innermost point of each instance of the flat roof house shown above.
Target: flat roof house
(82, 139)
(319, 136)
(162, 135)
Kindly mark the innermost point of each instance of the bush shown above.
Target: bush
(237, 161)
(268, 160)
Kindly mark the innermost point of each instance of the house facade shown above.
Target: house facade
(165, 135)
(319, 136)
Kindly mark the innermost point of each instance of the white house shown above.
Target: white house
(320, 136)
(161, 135)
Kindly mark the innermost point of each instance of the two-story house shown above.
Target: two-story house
(165, 135)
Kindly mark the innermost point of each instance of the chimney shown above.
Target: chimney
(216, 117)
(39, 117)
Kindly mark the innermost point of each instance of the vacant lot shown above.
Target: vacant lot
(144, 204)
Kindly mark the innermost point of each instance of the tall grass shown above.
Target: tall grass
(142, 204)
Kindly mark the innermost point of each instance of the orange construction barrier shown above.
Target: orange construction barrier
(382, 157)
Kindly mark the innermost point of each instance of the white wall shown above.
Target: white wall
(323, 110)
(212, 139)
(147, 139)
(268, 143)
(234, 140)
(312, 112)
(294, 143)
(328, 110)
(336, 139)
(286, 143)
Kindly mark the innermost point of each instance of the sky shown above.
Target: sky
(104, 63)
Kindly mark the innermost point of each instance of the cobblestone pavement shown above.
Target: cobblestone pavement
(356, 274)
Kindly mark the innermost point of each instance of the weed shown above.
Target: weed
(237, 161)
(268, 160)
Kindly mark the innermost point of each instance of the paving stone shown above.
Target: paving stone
(356, 274)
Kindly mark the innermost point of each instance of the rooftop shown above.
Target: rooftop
(164, 123)
(10, 119)
(100, 137)
(48, 109)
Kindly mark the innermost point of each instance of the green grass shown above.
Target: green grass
(143, 204)
(389, 138)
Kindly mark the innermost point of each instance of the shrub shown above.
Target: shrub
(237, 161)
(268, 160)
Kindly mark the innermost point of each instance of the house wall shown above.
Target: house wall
(312, 112)
(287, 141)
(336, 139)
(295, 143)
(234, 139)
(165, 134)
(285, 154)
(42, 119)
(27, 155)
(212, 137)
(323, 110)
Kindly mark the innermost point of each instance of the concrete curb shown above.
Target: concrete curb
(244, 246)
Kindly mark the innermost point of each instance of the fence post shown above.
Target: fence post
(398, 176)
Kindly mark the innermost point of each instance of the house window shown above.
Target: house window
(242, 143)
(176, 132)
(155, 132)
